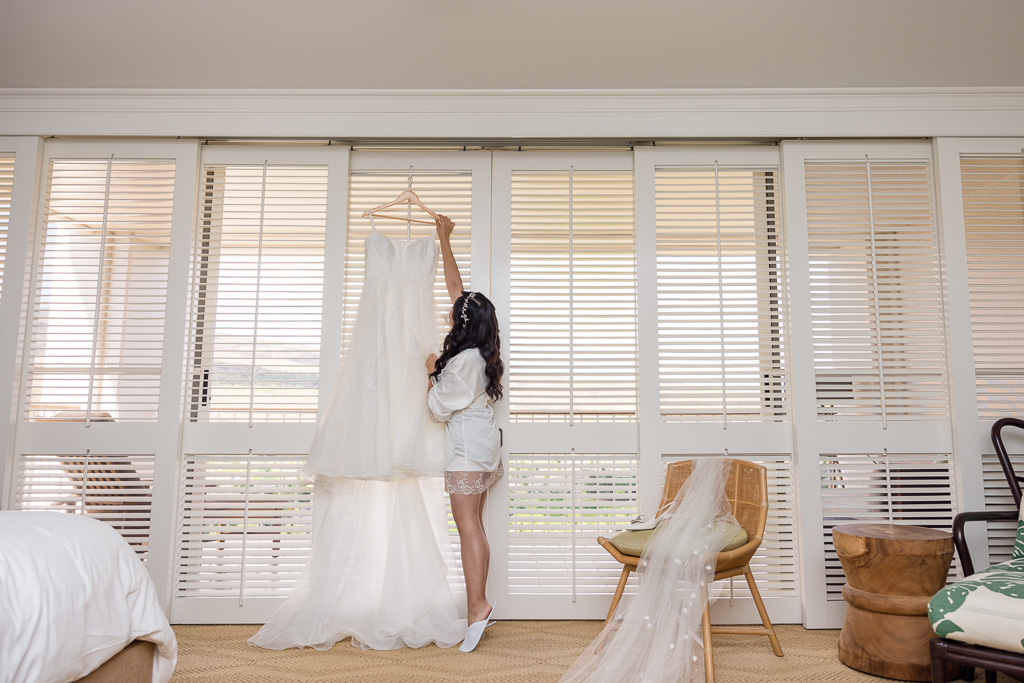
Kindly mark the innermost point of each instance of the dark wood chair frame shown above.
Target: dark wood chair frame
(968, 656)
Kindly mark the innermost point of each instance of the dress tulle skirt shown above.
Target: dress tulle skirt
(378, 572)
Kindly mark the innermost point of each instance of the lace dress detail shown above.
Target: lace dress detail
(471, 483)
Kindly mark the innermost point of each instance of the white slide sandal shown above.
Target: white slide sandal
(476, 631)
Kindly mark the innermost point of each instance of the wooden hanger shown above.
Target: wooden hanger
(407, 196)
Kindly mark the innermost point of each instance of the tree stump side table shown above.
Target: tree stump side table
(892, 571)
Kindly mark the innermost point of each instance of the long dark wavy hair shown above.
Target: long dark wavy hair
(477, 330)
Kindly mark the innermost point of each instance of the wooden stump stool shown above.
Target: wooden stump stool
(892, 571)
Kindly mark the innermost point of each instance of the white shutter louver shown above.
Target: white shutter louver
(6, 189)
(258, 293)
(558, 506)
(877, 311)
(98, 323)
(993, 200)
(903, 488)
(449, 193)
(775, 565)
(116, 489)
(572, 337)
(720, 294)
(245, 526)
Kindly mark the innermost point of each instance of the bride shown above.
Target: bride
(462, 382)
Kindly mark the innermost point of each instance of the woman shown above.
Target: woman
(460, 384)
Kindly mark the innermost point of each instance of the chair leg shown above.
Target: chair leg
(762, 611)
(709, 660)
(937, 654)
(626, 569)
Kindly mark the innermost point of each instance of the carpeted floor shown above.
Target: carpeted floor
(534, 651)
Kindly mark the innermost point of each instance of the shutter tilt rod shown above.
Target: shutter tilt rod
(256, 306)
(99, 292)
(85, 476)
(721, 299)
(245, 526)
(888, 483)
(572, 301)
(874, 289)
(572, 519)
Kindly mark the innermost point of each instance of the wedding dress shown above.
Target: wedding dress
(381, 557)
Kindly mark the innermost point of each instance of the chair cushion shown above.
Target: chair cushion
(633, 542)
(986, 608)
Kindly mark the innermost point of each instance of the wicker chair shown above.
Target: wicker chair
(747, 490)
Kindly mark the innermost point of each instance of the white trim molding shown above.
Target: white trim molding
(516, 114)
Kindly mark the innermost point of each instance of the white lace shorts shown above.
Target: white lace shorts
(470, 483)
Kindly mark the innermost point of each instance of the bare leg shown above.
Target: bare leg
(476, 554)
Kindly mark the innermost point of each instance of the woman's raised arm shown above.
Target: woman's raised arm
(452, 277)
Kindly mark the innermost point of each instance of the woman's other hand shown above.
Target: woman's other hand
(444, 227)
(431, 361)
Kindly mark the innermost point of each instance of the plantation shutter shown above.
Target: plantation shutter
(993, 201)
(558, 506)
(879, 339)
(573, 344)
(6, 190)
(245, 530)
(720, 294)
(877, 315)
(99, 307)
(566, 259)
(905, 488)
(114, 488)
(870, 344)
(258, 293)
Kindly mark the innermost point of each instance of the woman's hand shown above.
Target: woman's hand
(431, 362)
(444, 227)
(452, 276)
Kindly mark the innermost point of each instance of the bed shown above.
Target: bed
(77, 604)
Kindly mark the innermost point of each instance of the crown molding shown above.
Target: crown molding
(454, 114)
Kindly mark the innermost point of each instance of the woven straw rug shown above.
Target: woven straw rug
(534, 651)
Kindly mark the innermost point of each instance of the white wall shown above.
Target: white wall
(446, 44)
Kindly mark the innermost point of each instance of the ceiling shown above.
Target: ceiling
(492, 44)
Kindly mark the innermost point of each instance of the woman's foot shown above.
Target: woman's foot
(476, 629)
(480, 613)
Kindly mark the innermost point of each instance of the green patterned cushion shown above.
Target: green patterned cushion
(986, 608)
(633, 542)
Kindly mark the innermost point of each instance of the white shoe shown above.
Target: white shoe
(641, 523)
(476, 631)
(644, 523)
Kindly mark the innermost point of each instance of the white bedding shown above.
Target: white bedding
(72, 594)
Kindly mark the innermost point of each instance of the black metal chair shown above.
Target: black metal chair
(971, 656)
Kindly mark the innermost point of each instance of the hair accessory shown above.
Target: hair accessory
(465, 303)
